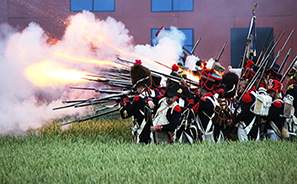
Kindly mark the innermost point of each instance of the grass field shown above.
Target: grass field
(102, 152)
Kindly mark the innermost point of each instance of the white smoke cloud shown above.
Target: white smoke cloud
(191, 62)
(27, 106)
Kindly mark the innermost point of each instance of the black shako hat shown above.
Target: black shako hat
(156, 80)
(173, 90)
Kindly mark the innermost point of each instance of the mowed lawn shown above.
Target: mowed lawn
(103, 152)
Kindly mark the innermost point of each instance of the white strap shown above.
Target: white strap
(250, 126)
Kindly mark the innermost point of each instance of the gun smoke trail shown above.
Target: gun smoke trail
(36, 73)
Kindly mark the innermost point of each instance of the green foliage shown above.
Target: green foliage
(112, 127)
(102, 152)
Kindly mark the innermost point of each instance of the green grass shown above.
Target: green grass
(103, 152)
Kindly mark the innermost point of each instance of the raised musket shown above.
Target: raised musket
(278, 53)
(221, 52)
(283, 63)
(196, 44)
(287, 71)
(262, 67)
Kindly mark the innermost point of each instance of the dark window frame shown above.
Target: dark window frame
(172, 8)
(93, 3)
(238, 39)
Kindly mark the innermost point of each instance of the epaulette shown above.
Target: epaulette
(203, 98)
(290, 87)
(177, 108)
(160, 96)
(247, 98)
(277, 104)
(136, 98)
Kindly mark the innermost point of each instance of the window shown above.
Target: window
(171, 5)
(188, 43)
(92, 5)
(239, 39)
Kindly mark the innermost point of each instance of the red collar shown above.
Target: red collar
(145, 90)
(208, 94)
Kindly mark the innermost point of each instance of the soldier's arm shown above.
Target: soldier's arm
(174, 120)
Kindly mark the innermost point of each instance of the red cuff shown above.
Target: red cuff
(127, 99)
(158, 128)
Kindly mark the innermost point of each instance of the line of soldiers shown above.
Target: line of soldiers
(213, 111)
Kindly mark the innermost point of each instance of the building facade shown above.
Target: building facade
(214, 21)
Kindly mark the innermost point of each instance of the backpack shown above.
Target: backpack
(262, 104)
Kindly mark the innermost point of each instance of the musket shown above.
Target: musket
(100, 101)
(77, 101)
(186, 51)
(262, 74)
(106, 107)
(252, 81)
(91, 117)
(287, 71)
(249, 86)
(172, 77)
(104, 79)
(98, 90)
(120, 76)
(283, 63)
(196, 44)
(109, 91)
(278, 53)
(165, 75)
(83, 88)
(162, 64)
(221, 52)
(62, 107)
(263, 63)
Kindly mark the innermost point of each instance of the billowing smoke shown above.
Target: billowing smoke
(191, 62)
(37, 71)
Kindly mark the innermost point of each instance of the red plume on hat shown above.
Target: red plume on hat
(175, 67)
(138, 61)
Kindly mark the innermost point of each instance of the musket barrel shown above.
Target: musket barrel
(283, 63)
(91, 117)
(287, 71)
(221, 52)
(278, 53)
(196, 44)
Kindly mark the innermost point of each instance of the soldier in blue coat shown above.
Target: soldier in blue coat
(141, 79)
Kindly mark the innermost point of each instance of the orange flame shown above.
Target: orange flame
(51, 73)
(191, 75)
